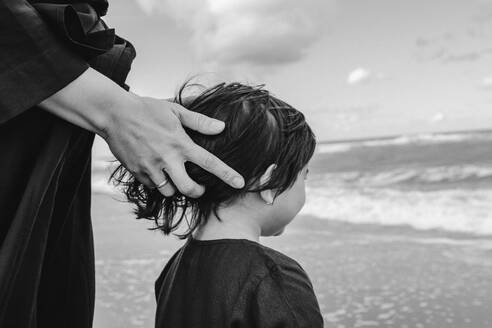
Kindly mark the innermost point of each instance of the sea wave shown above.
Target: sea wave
(422, 139)
(413, 175)
(424, 194)
(457, 210)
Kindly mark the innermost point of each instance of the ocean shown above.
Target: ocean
(427, 181)
(395, 232)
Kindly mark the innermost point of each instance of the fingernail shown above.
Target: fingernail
(238, 182)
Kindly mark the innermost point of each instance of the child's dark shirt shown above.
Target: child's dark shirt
(234, 283)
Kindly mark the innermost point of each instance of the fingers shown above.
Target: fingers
(183, 182)
(214, 165)
(177, 178)
(200, 156)
(157, 177)
(199, 122)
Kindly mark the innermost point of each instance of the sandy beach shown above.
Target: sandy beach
(364, 275)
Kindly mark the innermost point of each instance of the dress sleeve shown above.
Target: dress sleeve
(286, 299)
(34, 64)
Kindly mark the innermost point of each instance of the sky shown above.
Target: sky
(355, 68)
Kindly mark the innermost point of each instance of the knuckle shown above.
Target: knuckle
(227, 175)
(172, 128)
(198, 121)
(168, 162)
(164, 164)
(186, 145)
(188, 150)
(209, 162)
(179, 114)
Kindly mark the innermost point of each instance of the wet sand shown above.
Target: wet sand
(363, 275)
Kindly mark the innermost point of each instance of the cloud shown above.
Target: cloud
(487, 82)
(148, 6)
(437, 117)
(465, 57)
(443, 47)
(358, 76)
(252, 32)
(446, 56)
(362, 75)
(423, 42)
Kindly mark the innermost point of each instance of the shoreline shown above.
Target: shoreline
(364, 275)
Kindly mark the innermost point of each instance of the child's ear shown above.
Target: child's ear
(267, 195)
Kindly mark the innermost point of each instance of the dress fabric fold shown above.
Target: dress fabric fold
(47, 276)
(80, 25)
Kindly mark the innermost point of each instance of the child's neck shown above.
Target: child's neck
(233, 225)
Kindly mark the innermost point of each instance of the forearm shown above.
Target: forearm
(91, 101)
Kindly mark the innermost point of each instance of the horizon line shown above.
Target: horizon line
(393, 136)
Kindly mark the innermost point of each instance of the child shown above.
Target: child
(223, 276)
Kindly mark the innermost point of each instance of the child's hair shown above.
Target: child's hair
(260, 130)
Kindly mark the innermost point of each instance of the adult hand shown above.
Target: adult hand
(148, 137)
(145, 134)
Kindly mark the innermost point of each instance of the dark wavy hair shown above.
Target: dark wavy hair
(260, 130)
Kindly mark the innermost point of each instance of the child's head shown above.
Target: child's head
(266, 140)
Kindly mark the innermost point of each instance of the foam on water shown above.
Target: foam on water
(372, 200)
(452, 210)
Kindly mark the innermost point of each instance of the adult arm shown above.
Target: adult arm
(145, 134)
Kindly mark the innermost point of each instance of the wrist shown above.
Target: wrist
(92, 101)
(112, 107)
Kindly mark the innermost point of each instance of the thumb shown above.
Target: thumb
(199, 122)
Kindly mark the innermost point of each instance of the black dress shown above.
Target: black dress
(46, 245)
(234, 283)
